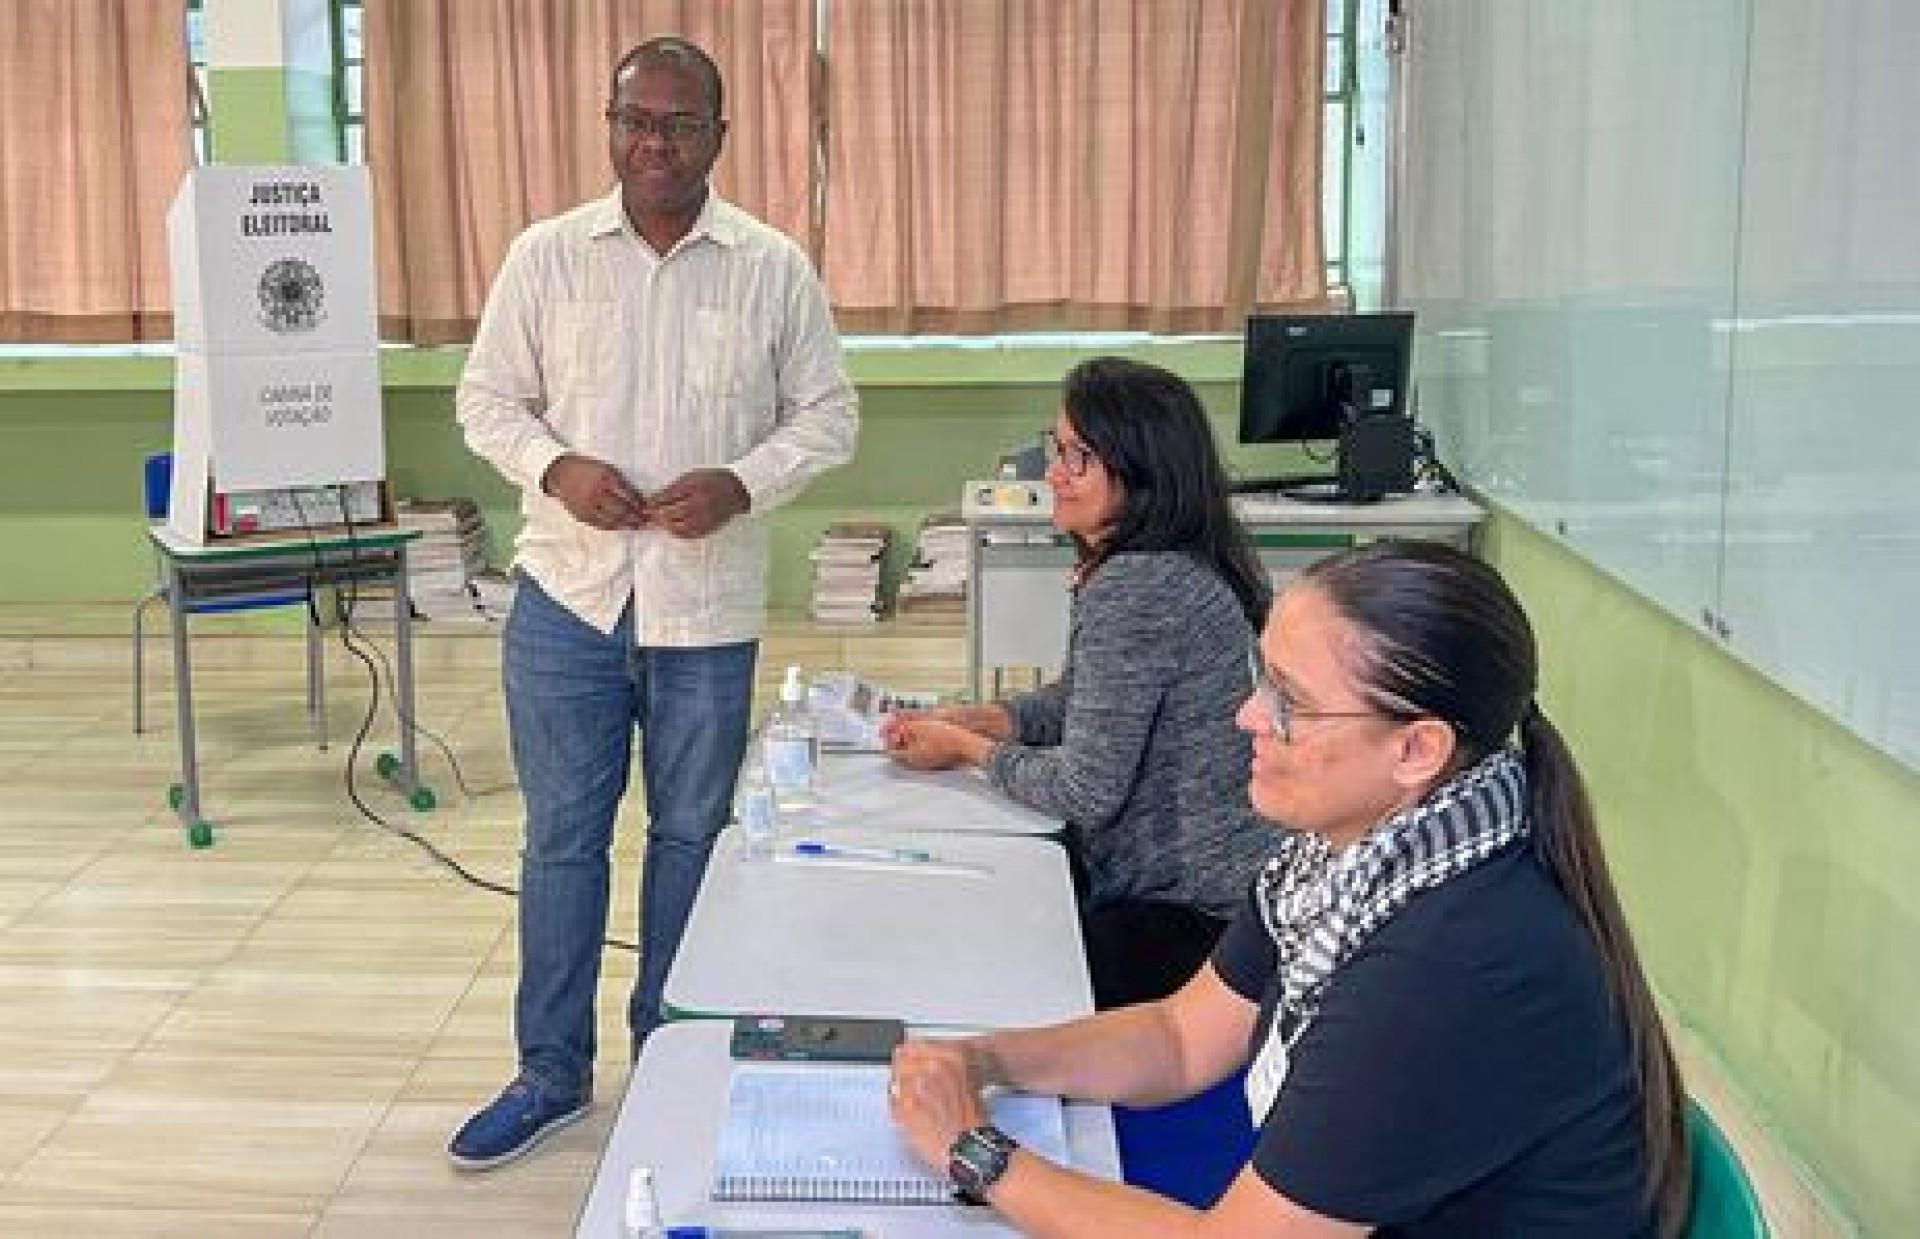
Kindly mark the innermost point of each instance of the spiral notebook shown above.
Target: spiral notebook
(823, 1133)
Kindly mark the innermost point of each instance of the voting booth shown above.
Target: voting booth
(277, 424)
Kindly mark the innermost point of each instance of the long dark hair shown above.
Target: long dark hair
(1443, 637)
(1147, 428)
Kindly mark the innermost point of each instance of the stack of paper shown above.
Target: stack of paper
(492, 595)
(450, 552)
(846, 572)
(935, 590)
(848, 709)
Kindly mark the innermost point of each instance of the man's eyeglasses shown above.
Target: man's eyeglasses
(1274, 702)
(1076, 457)
(673, 126)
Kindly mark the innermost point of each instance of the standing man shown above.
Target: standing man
(656, 370)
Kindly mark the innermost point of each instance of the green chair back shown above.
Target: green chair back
(1724, 1203)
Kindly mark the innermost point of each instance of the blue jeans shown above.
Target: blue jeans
(574, 698)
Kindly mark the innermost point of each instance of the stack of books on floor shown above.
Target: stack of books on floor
(492, 595)
(846, 572)
(935, 591)
(488, 599)
(450, 552)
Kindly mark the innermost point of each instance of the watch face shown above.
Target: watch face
(978, 1159)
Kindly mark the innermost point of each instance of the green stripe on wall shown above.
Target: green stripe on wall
(918, 445)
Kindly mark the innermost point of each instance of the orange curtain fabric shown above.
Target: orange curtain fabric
(485, 115)
(998, 165)
(95, 135)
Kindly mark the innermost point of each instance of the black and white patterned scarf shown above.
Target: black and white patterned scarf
(1320, 904)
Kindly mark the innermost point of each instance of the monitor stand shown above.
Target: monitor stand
(1282, 484)
(1294, 487)
(1314, 490)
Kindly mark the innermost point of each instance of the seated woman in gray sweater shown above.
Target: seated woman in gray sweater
(1134, 746)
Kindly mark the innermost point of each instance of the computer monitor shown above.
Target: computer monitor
(1339, 379)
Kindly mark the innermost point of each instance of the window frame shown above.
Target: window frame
(1343, 49)
(198, 108)
(349, 107)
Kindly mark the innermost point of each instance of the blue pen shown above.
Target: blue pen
(813, 847)
(729, 1232)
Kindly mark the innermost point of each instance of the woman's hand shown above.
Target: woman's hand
(934, 1096)
(922, 742)
(895, 724)
(992, 721)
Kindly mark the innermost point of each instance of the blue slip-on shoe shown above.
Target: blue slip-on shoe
(512, 1126)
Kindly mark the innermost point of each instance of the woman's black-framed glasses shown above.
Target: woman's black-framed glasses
(1278, 706)
(1077, 458)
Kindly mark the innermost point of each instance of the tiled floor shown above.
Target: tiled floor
(274, 1037)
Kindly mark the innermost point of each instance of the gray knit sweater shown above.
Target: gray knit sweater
(1135, 747)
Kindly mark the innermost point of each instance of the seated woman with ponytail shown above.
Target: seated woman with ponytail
(1446, 1031)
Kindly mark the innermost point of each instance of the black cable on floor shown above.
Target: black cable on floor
(352, 640)
(405, 720)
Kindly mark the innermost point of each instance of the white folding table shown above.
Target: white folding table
(984, 935)
(671, 1117)
(872, 791)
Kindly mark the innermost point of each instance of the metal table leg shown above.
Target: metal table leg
(404, 771)
(184, 796)
(975, 551)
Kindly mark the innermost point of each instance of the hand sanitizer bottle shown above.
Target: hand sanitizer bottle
(754, 806)
(642, 1213)
(792, 748)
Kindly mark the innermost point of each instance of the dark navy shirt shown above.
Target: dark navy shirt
(1467, 1076)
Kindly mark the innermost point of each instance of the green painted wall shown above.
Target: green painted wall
(70, 523)
(69, 534)
(248, 120)
(1767, 859)
(271, 115)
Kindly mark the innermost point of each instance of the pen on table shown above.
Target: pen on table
(813, 847)
(731, 1232)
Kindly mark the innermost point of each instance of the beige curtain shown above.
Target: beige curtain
(485, 115)
(94, 138)
(1096, 164)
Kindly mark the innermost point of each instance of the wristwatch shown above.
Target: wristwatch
(977, 1160)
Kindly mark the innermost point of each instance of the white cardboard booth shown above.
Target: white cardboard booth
(277, 420)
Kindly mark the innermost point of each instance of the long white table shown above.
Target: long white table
(871, 791)
(985, 936)
(671, 1117)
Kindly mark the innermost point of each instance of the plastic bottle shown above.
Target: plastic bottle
(642, 1213)
(792, 748)
(754, 807)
